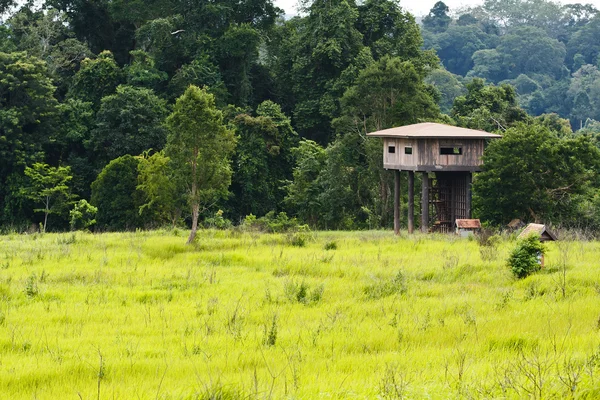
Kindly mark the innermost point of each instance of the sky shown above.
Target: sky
(421, 8)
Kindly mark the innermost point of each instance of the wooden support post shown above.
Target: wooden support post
(469, 198)
(425, 203)
(411, 202)
(396, 201)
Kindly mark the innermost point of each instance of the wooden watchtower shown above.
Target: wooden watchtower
(446, 156)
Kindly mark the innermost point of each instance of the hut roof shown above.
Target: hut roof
(431, 130)
(468, 224)
(538, 229)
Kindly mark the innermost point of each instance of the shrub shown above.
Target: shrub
(301, 292)
(218, 221)
(271, 223)
(82, 215)
(332, 245)
(387, 287)
(300, 237)
(525, 258)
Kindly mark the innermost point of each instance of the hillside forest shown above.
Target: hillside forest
(126, 114)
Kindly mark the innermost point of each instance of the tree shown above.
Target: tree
(534, 175)
(388, 93)
(129, 122)
(449, 86)
(528, 50)
(263, 161)
(96, 79)
(115, 194)
(438, 19)
(27, 123)
(487, 107)
(200, 72)
(82, 215)
(200, 146)
(238, 51)
(304, 191)
(584, 91)
(584, 42)
(157, 180)
(457, 45)
(388, 30)
(49, 186)
(142, 71)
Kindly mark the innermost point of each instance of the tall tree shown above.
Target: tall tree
(96, 79)
(115, 194)
(27, 123)
(129, 122)
(488, 107)
(534, 175)
(200, 147)
(438, 19)
(263, 161)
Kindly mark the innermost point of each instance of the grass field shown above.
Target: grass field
(358, 315)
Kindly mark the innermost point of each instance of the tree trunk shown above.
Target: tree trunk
(195, 212)
(195, 202)
(46, 212)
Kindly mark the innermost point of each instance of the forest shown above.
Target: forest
(125, 114)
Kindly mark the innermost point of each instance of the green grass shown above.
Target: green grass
(246, 315)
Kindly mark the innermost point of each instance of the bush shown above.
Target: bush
(525, 258)
(217, 221)
(82, 215)
(271, 223)
(115, 194)
(386, 287)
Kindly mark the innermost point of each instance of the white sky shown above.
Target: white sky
(421, 8)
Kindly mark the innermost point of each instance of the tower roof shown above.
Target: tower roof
(431, 130)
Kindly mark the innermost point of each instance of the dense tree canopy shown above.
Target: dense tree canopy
(88, 87)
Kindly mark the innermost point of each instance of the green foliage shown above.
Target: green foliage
(387, 93)
(217, 221)
(488, 107)
(27, 111)
(302, 292)
(156, 179)
(201, 72)
(48, 186)
(533, 174)
(142, 71)
(82, 215)
(199, 146)
(129, 121)
(524, 260)
(115, 194)
(438, 19)
(449, 86)
(96, 78)
(263, 160)
(271, 222)
(383, 287)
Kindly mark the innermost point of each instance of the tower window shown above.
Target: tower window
(408, 150)
(391, 149)
(451, 151)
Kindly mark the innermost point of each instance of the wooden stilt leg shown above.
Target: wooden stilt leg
(396, 202)
(425, 203)
(411, 202)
